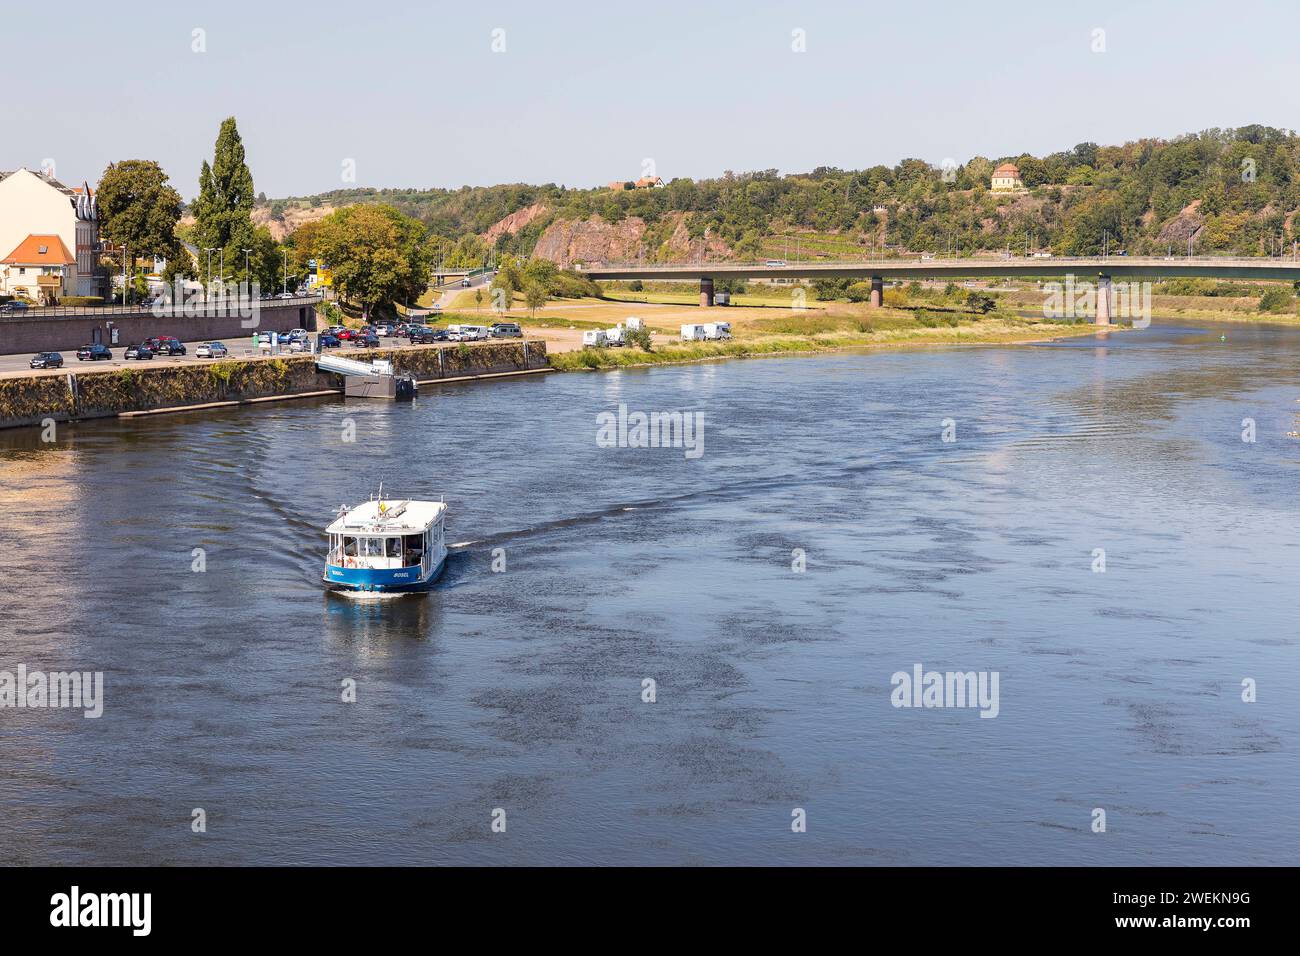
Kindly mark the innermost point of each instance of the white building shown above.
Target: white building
(34, 206)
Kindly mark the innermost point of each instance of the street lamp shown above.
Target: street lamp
(286, 270)
(248, 279)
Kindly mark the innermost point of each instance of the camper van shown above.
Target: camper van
(614, 336)
(634, 324)
(722, 298)
(692, 333)
(594, 339)
(717, 330)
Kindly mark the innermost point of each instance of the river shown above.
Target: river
(523, 690)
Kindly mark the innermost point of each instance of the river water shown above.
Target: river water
(522, 690)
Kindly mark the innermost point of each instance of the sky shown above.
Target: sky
(403, 94)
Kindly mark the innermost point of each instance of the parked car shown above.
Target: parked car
(474, 333)
(384, 329)
(506, 330)
(425, 335)
(211, 350)
(167, 345)
(465, 282)
(141, 351)
(47, 360)
(11, 307)
(93, 353)
(287, 295)
(345, 335)
(300, 345)
(328, 340)
(366, 340)
(294, 334)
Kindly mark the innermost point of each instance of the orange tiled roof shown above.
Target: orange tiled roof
(1007, 169)
(40, 251)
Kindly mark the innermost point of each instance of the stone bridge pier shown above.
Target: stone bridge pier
(706, 292)
(877, 292)
(1103, 300)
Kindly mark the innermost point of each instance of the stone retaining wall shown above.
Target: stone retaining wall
(97, 394)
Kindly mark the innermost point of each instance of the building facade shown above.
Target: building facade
(37, 207)
(40, 269)
(1006, 179)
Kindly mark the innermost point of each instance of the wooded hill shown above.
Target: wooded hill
(1229, 191)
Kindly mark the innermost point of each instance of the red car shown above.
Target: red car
(346, 334)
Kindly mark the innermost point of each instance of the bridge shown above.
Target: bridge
(1101, 269)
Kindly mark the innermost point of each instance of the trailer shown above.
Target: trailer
(594, 338)
(692, 333)
(716, 331)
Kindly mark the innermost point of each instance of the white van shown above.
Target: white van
(692, 333)
(594, 338)
(717, 330)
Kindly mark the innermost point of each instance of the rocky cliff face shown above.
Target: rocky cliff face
(514, 222)
(594, 240)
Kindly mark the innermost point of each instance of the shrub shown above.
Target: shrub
(639, 337)
(71, 300)
(1276, 299)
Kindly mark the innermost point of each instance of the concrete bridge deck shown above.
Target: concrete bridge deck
(1102, 269)
(1258, 268)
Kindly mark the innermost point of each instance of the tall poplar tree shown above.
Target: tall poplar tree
(223, 211)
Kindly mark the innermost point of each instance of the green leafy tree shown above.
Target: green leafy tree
(534, 296)
(378, 255)
(223, 211)
(139, 209)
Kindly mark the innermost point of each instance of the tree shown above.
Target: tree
(139, 209)
(223, 211)
(980, 303)
(478, 298)
(377, 255)
(640, 337)
(534, 296)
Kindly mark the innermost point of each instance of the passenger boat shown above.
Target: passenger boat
(386, 546)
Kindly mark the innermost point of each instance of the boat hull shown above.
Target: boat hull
(374, 581)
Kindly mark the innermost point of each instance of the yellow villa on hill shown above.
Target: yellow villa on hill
(1006, 179)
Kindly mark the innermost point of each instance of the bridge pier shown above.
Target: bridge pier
(1103, 300)
(706, 292)
(877, 292)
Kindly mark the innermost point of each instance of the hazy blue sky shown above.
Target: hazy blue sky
(413, 93)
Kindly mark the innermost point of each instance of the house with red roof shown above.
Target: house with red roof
(40, 268)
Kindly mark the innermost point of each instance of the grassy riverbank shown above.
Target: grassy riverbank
(821, 333)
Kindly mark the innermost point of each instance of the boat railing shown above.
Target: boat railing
(337, 558)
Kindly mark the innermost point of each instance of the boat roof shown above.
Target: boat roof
(399, 516)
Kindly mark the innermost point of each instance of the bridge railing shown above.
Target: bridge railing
(939, 261)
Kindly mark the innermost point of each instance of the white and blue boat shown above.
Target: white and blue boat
(386, 546)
